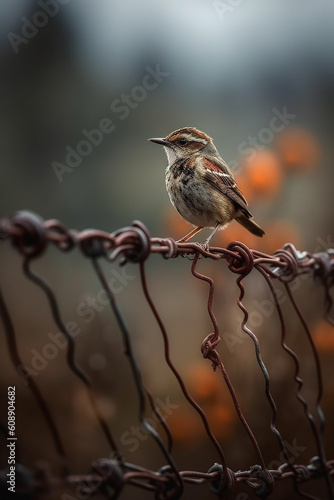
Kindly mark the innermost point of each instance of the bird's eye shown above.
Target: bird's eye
(183, 142)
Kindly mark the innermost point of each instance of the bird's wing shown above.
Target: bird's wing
(219, 176)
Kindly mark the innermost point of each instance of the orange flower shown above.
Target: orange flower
(298, 149)
(324, 336)
(203, 382)
(263, 175)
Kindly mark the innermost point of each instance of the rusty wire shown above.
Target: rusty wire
(31, 235)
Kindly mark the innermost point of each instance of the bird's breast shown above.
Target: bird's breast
(182, 171)
(194, 198)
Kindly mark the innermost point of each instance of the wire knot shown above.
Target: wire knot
(315, 466)
(289, 262)
(64, 238)
(172, 489)
(172, 248)
(208, 348)
(92, 246)
(302, 473)
(135, 242)
(262, 480)
(242, 261)
(225, 481)
(112, 476)
(29, 233)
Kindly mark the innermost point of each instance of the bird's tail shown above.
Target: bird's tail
(250, 224)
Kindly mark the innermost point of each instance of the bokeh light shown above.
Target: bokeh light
(298, 150)
(81, 96)
(262, 176)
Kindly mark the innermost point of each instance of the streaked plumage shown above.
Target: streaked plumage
(200, 185)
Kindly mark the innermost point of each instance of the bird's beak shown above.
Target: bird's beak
(160, 140)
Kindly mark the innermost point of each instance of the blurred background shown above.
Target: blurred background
(84, 85)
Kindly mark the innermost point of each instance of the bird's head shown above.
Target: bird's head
(185, 142)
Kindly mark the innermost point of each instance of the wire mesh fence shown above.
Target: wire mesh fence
(110, 477)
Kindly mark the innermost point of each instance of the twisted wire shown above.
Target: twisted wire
(31, 236)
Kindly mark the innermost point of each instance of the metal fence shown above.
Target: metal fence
(108, 478)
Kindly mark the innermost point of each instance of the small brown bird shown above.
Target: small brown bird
(201, 186)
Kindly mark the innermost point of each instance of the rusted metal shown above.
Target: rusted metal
(31, 236)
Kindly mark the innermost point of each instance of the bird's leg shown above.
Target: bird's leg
(190, 235)
(213, 232)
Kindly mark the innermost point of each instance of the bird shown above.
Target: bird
(201, 186)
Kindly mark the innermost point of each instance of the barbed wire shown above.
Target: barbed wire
(31, 235)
